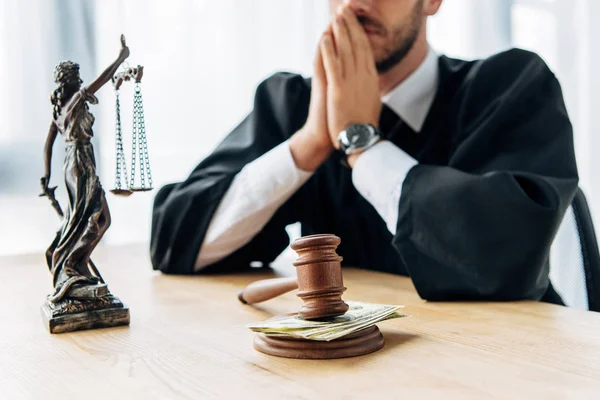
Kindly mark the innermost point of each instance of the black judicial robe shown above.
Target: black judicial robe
(476, 218)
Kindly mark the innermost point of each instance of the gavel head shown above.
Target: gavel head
(320, 283)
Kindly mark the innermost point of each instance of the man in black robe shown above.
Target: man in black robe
(463, 187)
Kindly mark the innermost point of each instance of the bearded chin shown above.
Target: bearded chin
(404, 41)
(398, 55)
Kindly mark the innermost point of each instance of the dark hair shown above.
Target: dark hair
(66, 75)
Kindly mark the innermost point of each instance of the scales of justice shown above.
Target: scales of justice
(81, 298)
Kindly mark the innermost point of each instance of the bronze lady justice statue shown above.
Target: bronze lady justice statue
(81, 299)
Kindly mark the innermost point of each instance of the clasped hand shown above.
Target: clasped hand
(345, 87)
(352, 80)
(345, 90)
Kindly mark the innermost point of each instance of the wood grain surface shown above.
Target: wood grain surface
(187, 340)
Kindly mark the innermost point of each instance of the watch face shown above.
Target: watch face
(359, 135)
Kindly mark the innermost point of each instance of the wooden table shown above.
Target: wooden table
(187, 340)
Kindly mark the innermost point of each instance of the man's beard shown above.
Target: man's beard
(403, 39)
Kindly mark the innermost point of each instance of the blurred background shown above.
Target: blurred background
(203, 60)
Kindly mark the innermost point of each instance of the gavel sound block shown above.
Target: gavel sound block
(320, 287)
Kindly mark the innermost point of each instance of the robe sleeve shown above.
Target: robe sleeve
(182, 211)
(481, 228)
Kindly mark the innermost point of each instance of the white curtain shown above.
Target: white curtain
(471, 29)
(34, 36)
(203, 60)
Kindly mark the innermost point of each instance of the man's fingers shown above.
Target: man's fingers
(357, 33)
(343, 44)
(360, 41)
(319, 73)
(318, 62)
(330, 60)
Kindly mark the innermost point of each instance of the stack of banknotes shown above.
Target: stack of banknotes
(358, 317)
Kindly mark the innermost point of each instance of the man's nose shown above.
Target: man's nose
(359, 5)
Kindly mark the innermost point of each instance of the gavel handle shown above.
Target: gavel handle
(267, 289)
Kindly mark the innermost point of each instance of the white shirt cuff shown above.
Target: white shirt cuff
(255, 194)
(379, 174)
(274, 175)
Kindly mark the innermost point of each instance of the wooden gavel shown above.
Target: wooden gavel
(267, 289)
(319, 279)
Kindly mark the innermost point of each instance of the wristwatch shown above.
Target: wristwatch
(358, 137)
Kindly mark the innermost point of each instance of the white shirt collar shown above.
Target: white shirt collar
(412, 98)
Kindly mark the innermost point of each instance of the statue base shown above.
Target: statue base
(70, 314)
(358, 343)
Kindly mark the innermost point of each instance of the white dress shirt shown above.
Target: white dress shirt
(266, 183)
